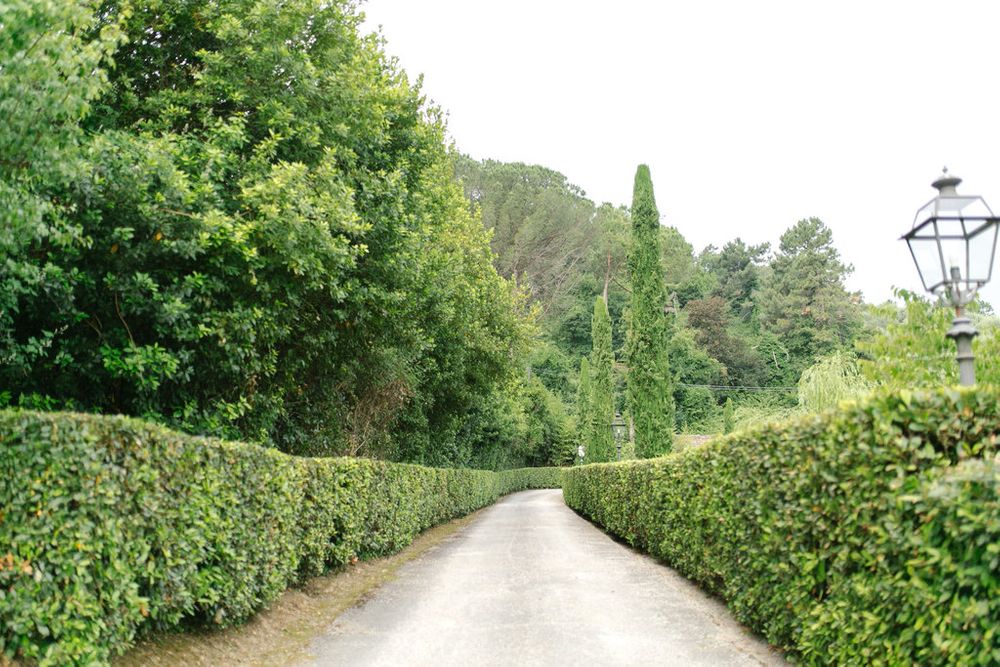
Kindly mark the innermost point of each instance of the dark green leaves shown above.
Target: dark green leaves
(866, 535)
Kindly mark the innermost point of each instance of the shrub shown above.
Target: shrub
(865, 535)
(112, 525)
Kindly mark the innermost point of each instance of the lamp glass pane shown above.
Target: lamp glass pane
(958, 206)
(928, 210)
(981, 247)
(928, 261)
(954, 252)
(976, 208)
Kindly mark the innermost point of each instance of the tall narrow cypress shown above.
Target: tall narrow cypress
(649, 384)
(583, 411)
(601, 385)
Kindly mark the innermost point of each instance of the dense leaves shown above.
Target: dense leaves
(863, 536)
(649, 381)
(599, 436)
(239, 218)
(803, 300)
(112, 526)
(906, 346)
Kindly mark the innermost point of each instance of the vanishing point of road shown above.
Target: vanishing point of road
(531, 583)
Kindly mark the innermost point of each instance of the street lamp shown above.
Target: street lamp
(953, 243)
(618, 429)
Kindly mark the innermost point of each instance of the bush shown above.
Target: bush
(866, 535)
(112, 525)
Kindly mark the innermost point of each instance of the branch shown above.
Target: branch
(118, 310)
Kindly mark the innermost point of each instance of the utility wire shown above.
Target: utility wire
(722, 387)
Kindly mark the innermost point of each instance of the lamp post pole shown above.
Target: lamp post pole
(962, 332)
(618, 430)
(953, 243)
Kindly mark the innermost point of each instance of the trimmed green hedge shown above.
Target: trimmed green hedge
(110, 525)
(870, 535)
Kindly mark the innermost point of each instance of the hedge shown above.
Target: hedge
(868, 535)
(110, 526)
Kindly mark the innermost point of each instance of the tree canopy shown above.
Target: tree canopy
(240, 219)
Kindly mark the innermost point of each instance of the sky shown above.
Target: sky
(750, 115)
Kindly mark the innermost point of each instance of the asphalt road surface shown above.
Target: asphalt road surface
(531, 583)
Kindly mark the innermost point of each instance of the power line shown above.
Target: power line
(723, 387)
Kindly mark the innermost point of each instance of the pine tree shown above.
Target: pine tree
(601, 441)
(649, 384)
(583, 411)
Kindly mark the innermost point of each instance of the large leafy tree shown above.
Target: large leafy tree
(260, 236)
(711, 318)
(649, 385)
(600, 440)
(53, 64)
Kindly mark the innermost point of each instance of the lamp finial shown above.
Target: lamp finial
(946, 184)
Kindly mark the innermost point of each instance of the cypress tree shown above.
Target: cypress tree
(601, 440)
(649, 384)
(583, 411)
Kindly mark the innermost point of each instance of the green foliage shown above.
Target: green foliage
(683, 278)
(832, 379)
(650, 391)
(697, 411)
(907, 347)
(728, 342)
(600, 442)
(728, 417)
(865, 535)
(241, 222)
(113, 526)
(54, 57)
(753, 410)
(803, 300)
(584, 411)
(549, 438)
(736, 270)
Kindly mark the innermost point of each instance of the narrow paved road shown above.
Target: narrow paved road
(531, 583)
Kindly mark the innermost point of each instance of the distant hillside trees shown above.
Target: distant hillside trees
(738, 316)
(803, 300)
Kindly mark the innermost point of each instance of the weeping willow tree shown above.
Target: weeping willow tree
(834, 378)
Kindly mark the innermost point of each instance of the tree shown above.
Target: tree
(248, 226)
(712, 322)
(649, 383)
(905, 346)
(584, 412)
(601, 441)
(736, 269)
(683, 278)
(832, 379)
(55, 56)
(803, 300)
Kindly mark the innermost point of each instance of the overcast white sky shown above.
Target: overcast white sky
(751, 115)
